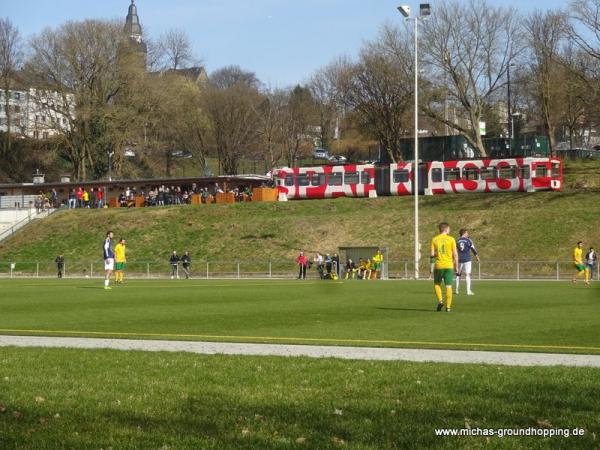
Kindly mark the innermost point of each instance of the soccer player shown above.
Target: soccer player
(120, 261)
(465, 247)
(377, 263)
(443, 249)
(186, 260)
(109, 259)
(582, 270)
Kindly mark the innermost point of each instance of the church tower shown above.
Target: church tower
(133, 30)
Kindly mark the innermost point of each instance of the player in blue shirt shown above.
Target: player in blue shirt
(465, 247)
(109, 258)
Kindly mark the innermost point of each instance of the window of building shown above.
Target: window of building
(451, 174)
(351, 178)
(524, 172)
(335, 179)
(36, 134)
(45, 135)
(365, 177)
(471, 173)
(507, 172)
(17, 95)
(401, 176)
(17, 108)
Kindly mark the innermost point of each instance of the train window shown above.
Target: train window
(540, 171)
(506, 172)
(400, 176)
(317, 179)
(351, 178)
(488, 173)
(524, 172)
(335, 179)
(302, 179)
(365, 177)
(436, 175)
(555, 169)
(471, 173)
(451, 174)
(289, 180)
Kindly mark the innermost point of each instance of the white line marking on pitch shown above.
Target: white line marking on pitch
(312, 351)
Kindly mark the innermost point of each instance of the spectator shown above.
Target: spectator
(92, 196)
(86, 199)
(351, 269)
(174, 262)
(362, 266)
(302, 262)
(60, 265)
(185, 262)
(318, 260)
(590, 261)
(54, 198)
(335, 259)
(72, 199)
(328, 264)
(100, 198)
(79, 195)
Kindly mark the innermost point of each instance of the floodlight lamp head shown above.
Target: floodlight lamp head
(404, 10)
(424, 9)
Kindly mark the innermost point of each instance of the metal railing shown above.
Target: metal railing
(396, 270)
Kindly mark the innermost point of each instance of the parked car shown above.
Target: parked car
(320, 153)
(337, 159)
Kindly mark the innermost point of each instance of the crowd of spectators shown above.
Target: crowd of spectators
(157, 196)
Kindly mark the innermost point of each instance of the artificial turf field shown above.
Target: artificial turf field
(91, 399)
(517, 316)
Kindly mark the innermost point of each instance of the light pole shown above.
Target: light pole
(110, 155)
(424, 10)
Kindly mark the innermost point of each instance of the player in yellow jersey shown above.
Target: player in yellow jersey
(581, 268)
(443, 250)
(120, 261)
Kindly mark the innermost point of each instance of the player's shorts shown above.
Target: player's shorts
(377, 266)
(579, 267)
(464, 268)
(109, 264)
(445, 275)
(120, 266)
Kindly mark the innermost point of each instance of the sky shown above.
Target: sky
(283, 41)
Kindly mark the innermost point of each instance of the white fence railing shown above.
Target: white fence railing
(399, 270)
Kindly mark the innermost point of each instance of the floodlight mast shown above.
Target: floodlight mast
(424, 10)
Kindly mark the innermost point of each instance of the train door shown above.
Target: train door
(423, 178)
(382, 180)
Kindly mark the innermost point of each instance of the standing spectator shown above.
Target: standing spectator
(100, 198)
(328, 264)
(336, 264)
(54, 198)
(377, 263)
(590, 260)
(79, 195)
(86, 199)
(174, 262)
(60, 265)
(302, 262)
(318, 260)
(72, 199)
(185, 262)
(92, 198)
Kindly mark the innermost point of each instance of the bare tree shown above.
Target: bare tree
(175, 49)
(586, 28)
(379, 89)
(468, 48)
(10, 60)
(233, 75)
(270, 113)
(546, 33)
(79, 64)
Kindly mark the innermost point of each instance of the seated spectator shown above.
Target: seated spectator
(368, 270)
(362, 266)
(351, 269)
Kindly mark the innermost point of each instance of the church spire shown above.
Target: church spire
(132, 24)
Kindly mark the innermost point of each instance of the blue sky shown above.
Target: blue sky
(283, 41)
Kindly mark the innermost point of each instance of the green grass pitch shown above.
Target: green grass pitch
(511, 316)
